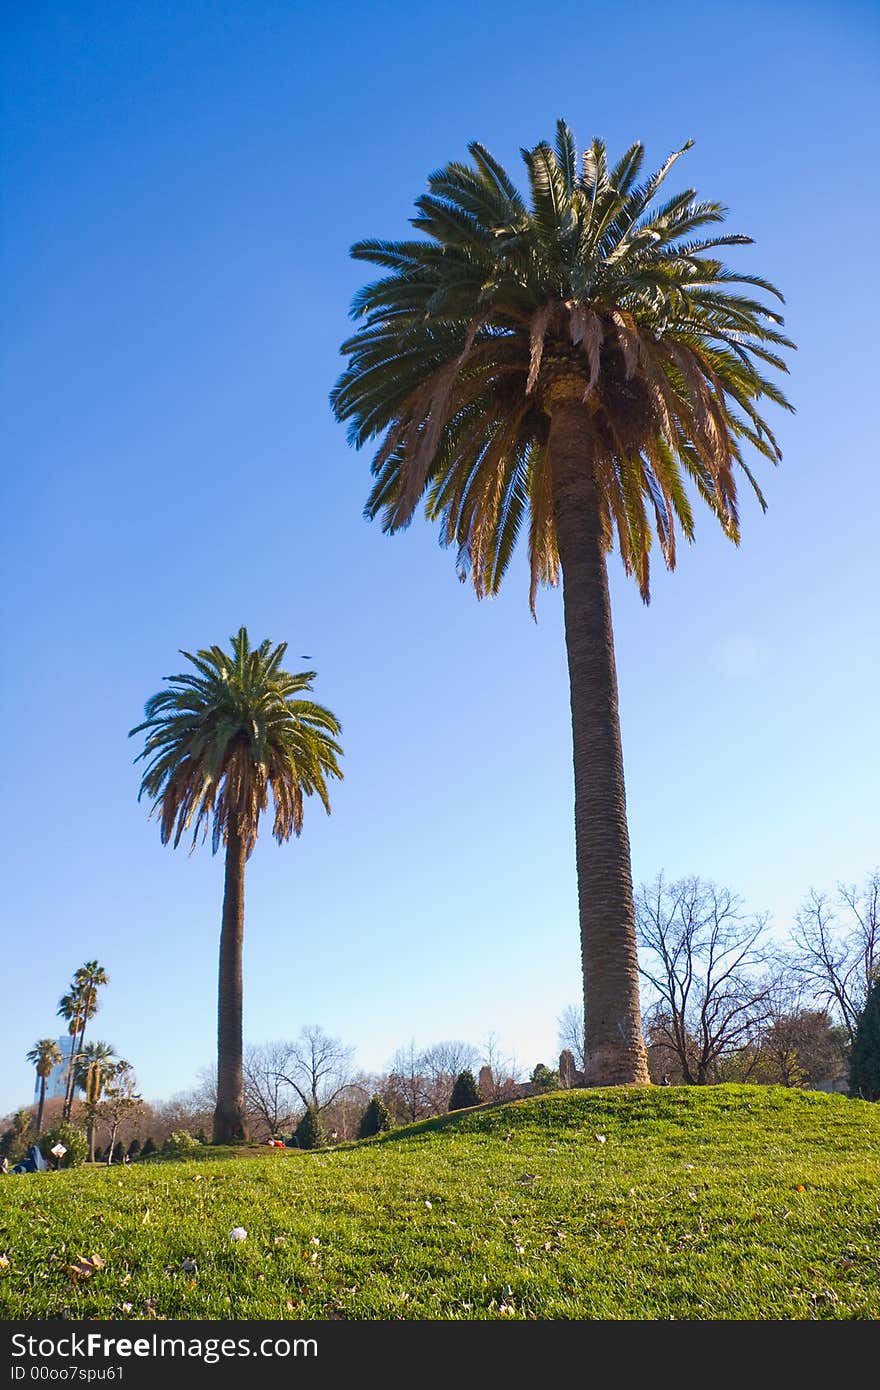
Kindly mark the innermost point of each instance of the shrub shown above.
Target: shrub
(149, 1147)
(73, 1139)
(134, 1149)
(375, 1118)
(17, 1139)
(864, 1066)
(309, 1133)
(464, 1092)
(99, 1155)
(179, 1144)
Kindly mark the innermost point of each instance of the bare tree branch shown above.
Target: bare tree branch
(706, 966)
(837, 947)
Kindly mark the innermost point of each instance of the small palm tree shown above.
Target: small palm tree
(93, 1073)
(45, 1055)
(562, 368)
(218, 740)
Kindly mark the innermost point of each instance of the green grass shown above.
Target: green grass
(723, 1202)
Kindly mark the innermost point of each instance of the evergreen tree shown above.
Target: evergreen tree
(149, 1147)
(134, 1149)
(545, 1078)
(309, 1133)
(375, 1118)
(864, 1066)
(464, 1092)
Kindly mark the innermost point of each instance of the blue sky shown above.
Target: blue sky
(182, 183)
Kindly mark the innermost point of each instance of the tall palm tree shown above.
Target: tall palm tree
(218, 739)
(78, 1006)
(45, 1055)
(565, 366)
(87, 981)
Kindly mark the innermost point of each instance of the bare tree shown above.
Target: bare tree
(499, 1074)
(441, 1064)
(121, 1103)
(319, 1068)
(268, 1098)
(405, 1087)
(705, 963)
(572, 1034)
(799, 1046)
(837, 947)
(342, 1115)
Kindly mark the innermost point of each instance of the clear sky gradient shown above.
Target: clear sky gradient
(182, 182)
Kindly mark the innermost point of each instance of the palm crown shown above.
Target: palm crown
(44, 1056)
(219, 739)
(591, 292)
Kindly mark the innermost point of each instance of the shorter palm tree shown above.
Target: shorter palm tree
(45, 1055)
(94, 1072)
(218, 740)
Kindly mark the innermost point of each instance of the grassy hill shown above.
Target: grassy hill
(723, 1202)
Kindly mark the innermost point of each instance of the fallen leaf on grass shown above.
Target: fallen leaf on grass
(4, 1261)
(527, 1177)
(600, 1138)
(84, 1267)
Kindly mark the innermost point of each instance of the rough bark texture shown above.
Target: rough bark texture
(42, 1106)
(69, 1089)
(229, 1116)
(614, 1042)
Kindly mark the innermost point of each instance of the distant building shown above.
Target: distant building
(56, 1082)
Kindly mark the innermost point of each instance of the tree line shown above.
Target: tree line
(723, 1000)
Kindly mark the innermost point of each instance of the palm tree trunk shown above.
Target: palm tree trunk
(41, 1105)
(69, 1088)
(229, 1117)
(615, 1044)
